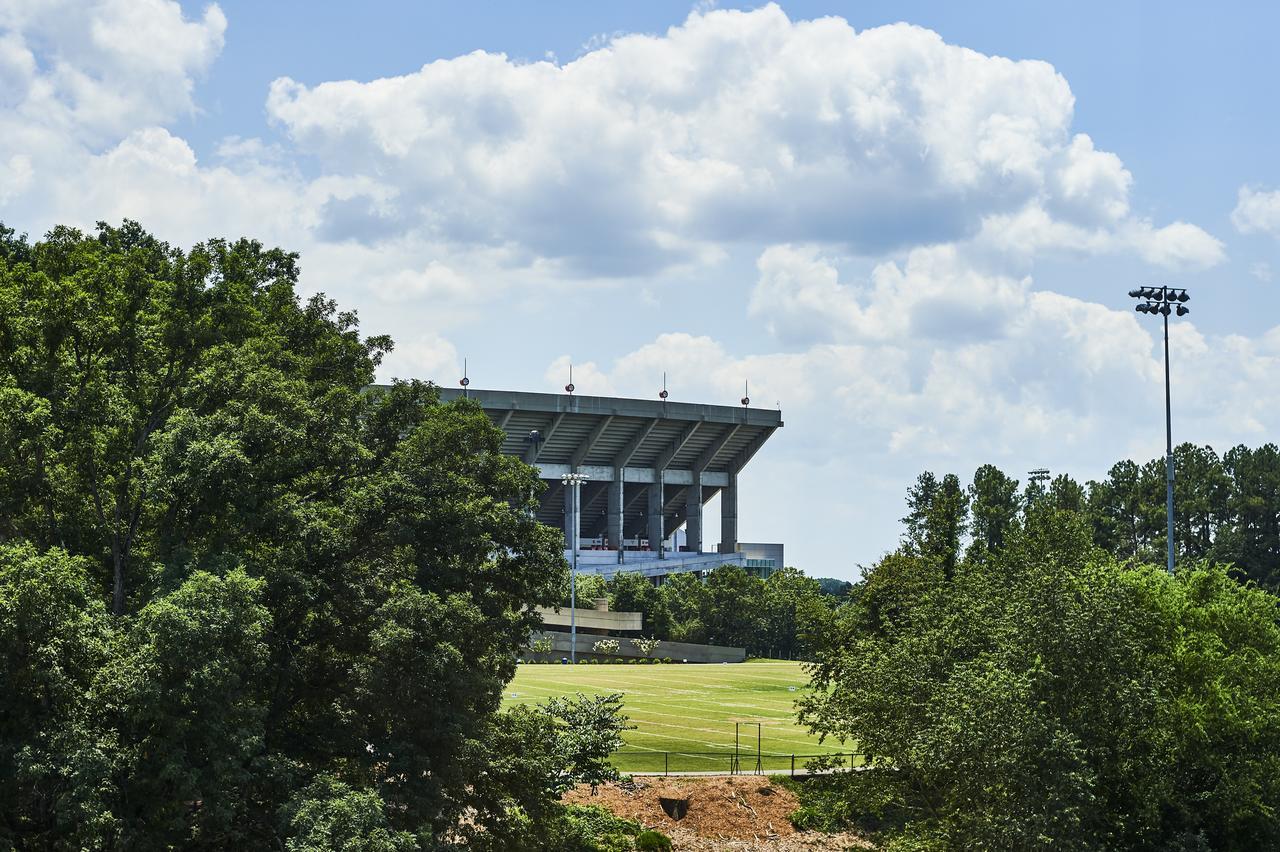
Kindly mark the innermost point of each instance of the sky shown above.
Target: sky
(909, 226)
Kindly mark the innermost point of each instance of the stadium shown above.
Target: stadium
(650, 468)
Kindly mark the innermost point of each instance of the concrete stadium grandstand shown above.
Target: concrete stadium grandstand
(650, 468)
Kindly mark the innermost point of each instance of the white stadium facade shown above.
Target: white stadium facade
(650, 466)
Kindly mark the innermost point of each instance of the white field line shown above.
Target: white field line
(783, 716)
(781, 708)
(772, 738)
(665, 673)
(667, 685)
(757, 711)
(752, 710)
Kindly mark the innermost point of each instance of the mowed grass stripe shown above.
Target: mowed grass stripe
(687, 708)
(781, 712)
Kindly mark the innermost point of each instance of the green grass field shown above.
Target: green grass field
(688, 711)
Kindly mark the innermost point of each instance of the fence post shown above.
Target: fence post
(793, 766)
(666, 765)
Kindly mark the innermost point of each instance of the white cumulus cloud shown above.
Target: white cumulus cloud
(649, 151)
(1257, 211)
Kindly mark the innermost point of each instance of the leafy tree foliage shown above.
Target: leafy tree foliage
(729, 607)
(1226, 510)
(242, 596)
(993, 500)
(1047, 696)
(631, 591)
(937, 518)
(791, 602)
(590, 731)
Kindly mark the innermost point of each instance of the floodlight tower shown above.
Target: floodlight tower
(1164, 301)
(573, 488)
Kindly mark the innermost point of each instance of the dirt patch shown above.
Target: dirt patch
(742, 814)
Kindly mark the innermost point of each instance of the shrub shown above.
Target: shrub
(606, 646)
(653, 841)
(607, 833)
(646, 646)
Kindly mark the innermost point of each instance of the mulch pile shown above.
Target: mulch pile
(742, 814)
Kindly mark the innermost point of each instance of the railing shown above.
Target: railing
(636, 762)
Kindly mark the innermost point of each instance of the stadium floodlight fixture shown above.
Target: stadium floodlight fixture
(1164, 301)
(573, 484)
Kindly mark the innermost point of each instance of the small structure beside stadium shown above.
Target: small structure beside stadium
(651, 466)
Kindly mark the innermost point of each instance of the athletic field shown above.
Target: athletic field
(684, 713)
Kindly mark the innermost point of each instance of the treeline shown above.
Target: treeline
(1037, 692)
(1226, 510)
(729, 607)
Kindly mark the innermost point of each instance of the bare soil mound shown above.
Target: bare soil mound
(742, 813)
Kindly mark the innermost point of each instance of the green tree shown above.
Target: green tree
(1116, 511)
(186, 696)
(330, 815)
(590, 729)
(589, 587)
(734, 608)
(791, 601)
(993, 500)
(1050, 698)
(1067, 495)
(937, 519)
(631, 591)
(1251, 538)
(55, 636)
(310, 578)
(685, 600)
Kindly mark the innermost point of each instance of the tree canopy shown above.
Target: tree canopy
(1045, 695)
(240, 593)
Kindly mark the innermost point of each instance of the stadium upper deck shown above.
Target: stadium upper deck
(651, 467)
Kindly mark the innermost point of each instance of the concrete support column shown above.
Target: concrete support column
(654, 514)
(614, 509)
(729, 516)
(693, 516)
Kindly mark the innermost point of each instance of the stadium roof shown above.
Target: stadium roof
(635, 440)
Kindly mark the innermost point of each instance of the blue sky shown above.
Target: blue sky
(916, 247)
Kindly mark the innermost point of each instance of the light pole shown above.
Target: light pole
(1164, 301)
(573, 485)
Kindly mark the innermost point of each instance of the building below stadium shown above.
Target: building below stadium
(651, 467)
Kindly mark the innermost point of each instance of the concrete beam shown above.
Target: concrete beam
(745, 454)
(709, 454)
(676, 446)
(588, 445)
(535, 450)
(598, 405)
(622, 458)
